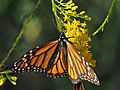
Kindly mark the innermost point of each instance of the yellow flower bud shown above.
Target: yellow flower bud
(13, 78)
(13, 82)
(74, 8)
(69, 2)
(2, 81)
(82, 12)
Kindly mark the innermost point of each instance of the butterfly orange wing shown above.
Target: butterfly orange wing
(78, 68)
(50, 59)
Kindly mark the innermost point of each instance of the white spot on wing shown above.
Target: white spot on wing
(88, 68)
(28, 68)
(15, 67)
(64, 40)
(30, 51)
(25, 55)
(37, 47)
(87, 63)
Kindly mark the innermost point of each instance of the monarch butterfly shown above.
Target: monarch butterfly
(56, 59)
(79, 86)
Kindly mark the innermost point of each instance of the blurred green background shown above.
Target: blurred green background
(42, 28)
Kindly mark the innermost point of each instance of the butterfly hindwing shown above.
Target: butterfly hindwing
(78, 68)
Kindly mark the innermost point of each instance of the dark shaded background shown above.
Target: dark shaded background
(105, 46)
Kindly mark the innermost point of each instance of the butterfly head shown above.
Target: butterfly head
(62, 36)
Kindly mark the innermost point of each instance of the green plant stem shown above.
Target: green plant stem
(21, 33)
(6, 72)
(106, 19)
(59, 22)
(55, 12)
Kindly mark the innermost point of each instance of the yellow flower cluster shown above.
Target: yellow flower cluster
(70, 11)
(76, 31)
(4, 76)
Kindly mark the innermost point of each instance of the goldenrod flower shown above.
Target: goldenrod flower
(65, 18)
(83, 24)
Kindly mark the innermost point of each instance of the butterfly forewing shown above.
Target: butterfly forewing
(49, 58)
(78, 68)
